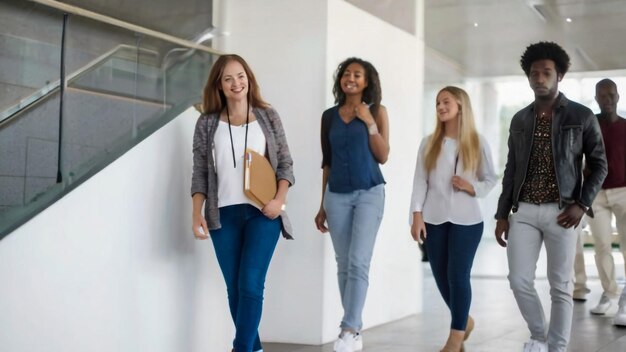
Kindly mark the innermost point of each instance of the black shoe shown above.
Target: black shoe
(424, 253)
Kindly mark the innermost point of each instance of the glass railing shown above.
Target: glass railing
(121, 86)
(26, 66)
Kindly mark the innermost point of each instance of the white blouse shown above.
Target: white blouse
(230, 178)
(433, 194)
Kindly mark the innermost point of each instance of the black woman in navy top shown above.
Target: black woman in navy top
(355, 141)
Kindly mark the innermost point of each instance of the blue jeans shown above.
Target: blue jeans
(353, 220)
(244, 246)
(451, 249)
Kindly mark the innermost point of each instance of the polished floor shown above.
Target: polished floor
(499, 325)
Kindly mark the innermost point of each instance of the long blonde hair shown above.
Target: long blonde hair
(468, 140)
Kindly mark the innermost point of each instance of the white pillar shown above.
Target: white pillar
(294, 48)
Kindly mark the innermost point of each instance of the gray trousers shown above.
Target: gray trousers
(529, 227)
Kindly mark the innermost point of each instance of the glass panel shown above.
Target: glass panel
(29, 68)
(136, 81)
(121, 87)
(29, 55)
(186, 79)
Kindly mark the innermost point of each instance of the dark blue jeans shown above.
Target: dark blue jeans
(244, 246)
(451, 249)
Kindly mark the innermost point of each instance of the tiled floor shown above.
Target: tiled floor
(499, 325)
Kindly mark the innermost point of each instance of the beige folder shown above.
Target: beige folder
(259, 179)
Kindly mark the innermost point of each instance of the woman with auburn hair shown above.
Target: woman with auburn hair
(244, 235)
(454, 167)
(355, 141)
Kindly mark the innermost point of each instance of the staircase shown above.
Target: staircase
(112, 100)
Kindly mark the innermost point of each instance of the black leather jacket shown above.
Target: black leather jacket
(575, 132)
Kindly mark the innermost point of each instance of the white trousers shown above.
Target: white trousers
(608, 202)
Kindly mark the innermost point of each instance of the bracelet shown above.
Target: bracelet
(372, 129)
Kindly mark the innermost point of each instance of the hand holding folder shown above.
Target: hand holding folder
(259, 179)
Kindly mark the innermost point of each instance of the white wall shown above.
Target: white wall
(284, 43)
(395, 274)
(113, 265)
(121, 271)
(294, 48)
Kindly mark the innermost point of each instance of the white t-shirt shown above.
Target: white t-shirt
(230, 178)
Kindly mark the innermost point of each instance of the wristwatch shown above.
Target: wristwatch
(372, 129)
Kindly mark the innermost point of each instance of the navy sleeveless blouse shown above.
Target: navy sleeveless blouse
(346, 150)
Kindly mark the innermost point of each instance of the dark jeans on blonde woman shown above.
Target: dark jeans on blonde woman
(451, 249)
(244, 246)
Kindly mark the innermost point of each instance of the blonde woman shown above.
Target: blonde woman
(454, 167)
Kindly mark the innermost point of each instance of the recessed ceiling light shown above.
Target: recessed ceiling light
(568, 20)
(475, 24)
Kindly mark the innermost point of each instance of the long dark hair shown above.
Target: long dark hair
(372, 94)
(214, 100)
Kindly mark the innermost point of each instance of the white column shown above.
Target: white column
(294, 48)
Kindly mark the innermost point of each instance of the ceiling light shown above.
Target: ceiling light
(475, 24)
(568, 20)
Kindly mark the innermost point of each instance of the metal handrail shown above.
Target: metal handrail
(31, 100)
(126, 25)
(34, 98)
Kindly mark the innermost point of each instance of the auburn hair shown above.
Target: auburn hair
(213, 98)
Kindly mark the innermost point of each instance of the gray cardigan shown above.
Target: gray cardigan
(204, 177)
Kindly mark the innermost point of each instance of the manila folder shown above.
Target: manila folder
(259, 183)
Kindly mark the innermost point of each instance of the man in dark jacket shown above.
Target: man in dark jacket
(544, 188)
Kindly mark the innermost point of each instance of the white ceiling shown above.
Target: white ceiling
(595, 39)
(400, 13)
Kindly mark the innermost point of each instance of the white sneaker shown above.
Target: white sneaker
(358, 342)
(348, 342)
(603, 306)
(535, 346)
(620, 317)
